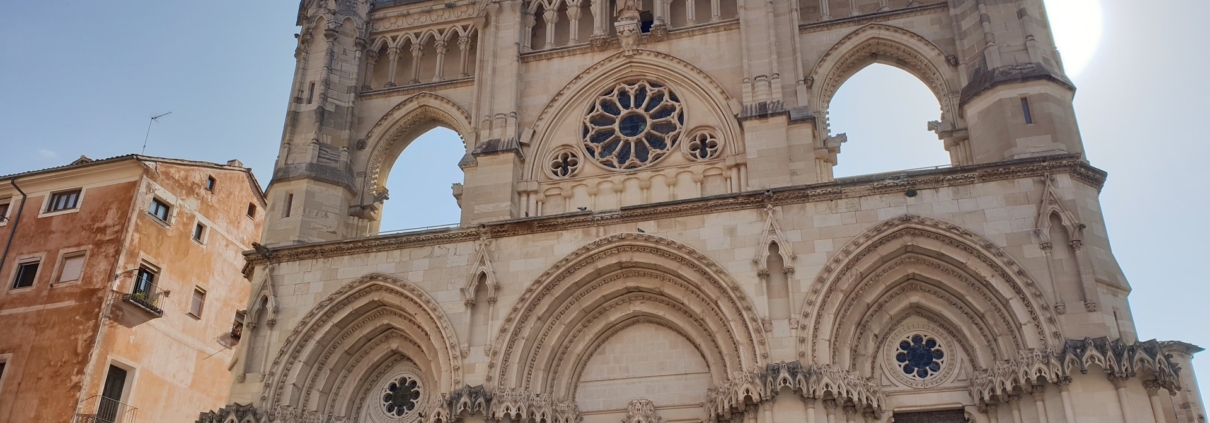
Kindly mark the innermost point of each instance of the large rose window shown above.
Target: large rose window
(400, 396)
(633, 125)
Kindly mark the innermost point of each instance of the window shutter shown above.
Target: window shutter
(72, 268)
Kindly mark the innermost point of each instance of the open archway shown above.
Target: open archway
(418, 147)
(419, 183)
(884, 111)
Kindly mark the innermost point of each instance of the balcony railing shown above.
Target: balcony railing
(99, 409)
(146, 297)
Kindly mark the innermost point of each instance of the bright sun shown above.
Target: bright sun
(1077, 29)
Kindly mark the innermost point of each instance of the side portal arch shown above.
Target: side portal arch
(353, 338)
(917, 266)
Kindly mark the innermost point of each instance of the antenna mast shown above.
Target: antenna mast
(154, 119)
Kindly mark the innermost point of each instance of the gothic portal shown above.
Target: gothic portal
(651, 231)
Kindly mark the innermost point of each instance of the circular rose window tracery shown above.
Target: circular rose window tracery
(633, 125)
(400, 396)
(920, 356)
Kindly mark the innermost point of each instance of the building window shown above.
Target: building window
(26, 272)
(199, 233)
(4, 205)
(289, 204)
(159, 209)
(920, 356)
(144, 283)
(633, 125)
(251, 210)
(1029, 117)
(65, 200)
(72, 267)
(311, 93)
(237, 325)
(210, 183)
(199, 300)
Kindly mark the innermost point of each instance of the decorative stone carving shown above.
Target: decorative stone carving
(524, 406)
(641, 411)
(1117, 359)
(633, 125)
(446, 408)
(234, 412)
(730, 400)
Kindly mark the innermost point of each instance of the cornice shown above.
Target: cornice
(417, 88)
(862, 186)
(850, 22)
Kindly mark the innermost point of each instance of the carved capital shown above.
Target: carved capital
(641, 411)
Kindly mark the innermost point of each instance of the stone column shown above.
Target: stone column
(1014, 404)
(441, 47)
(1087, 277)
(464, 49)
(393, 54)
(1065, 393)
(992, 414)
(1153, 393)
(811, 410)
(528, 20)
(573, 24)
(829, 406)
(551, 16)
(371, 60)
(824, 13)
(417, 54)
(850, 414)
(1119, 384)
(853, 8)
(1039, 394)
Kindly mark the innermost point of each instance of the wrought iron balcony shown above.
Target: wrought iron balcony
(99, 409)
(146, 297)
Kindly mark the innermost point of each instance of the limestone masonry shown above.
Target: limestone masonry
(651, 231)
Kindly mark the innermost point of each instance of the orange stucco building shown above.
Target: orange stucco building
(122, 293)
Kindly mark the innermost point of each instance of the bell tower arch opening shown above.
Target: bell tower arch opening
(883, 111)
(418, 182)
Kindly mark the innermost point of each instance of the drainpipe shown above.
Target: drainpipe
(13, 232)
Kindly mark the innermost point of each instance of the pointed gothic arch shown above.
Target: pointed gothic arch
(611, 284)
(352, 338)
(913, 264)
(398, 127)
(898, 47)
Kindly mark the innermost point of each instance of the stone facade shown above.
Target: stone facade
(81, 339)
(651, 231)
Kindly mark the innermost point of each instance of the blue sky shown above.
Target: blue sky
(82, 77)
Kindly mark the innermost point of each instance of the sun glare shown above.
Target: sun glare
(1077, 29)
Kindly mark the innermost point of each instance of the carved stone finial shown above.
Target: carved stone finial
(641, 411)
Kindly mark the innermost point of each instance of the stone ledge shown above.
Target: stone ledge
(855, 187)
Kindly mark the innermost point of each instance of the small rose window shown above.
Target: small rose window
(633, 125)
(702, 146)
(400, 396)
(564, 163)
(920, 356)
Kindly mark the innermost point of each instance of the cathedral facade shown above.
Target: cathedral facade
(651, 231)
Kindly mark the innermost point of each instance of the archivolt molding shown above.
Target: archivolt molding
(572, 101)
(372, 287)
(611, 318)
(697, 275)
(911, 274)
(418, 112)
(745, 389)
(1005, 278)
(912, 52)
(365, 328)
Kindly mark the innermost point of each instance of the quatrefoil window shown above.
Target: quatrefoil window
(564, 163)
(633, 125)
(920, 356)
(702, 146)
(400, 396)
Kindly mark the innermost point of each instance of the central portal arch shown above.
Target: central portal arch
(600, 294)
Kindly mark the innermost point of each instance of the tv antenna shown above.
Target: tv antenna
(154, 119)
